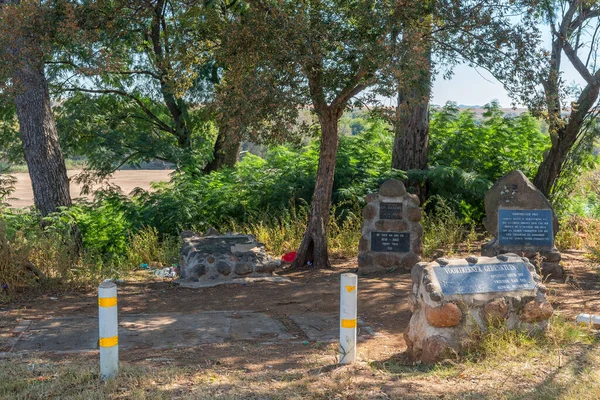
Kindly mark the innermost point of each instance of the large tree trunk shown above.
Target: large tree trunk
(411, 140)
(39, 137)
(313, 247)
(226, 150)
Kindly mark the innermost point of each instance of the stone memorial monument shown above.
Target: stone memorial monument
(217, 257)
(391, 232)
(450, 298)
(522, 222)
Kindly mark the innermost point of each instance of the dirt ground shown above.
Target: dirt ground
(127, 180)
(383, 305)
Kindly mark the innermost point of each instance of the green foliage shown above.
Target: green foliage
(112, 130)
(103, 226)
(467, 155)
(146, 246)
(460, 190)
(444, 231)
(491, 147)
(255, 187)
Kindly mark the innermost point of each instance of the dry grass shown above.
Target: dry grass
(565, 364)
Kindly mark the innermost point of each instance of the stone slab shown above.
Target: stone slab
(484, 278)
(318, 327)
(80, 334)
(152, 330)
(204, 284)
(525, 227)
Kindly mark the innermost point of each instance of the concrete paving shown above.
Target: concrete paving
(73, 334)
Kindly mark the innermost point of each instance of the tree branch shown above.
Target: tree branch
(577, 63)
(140, 103)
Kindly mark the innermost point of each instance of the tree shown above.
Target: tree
(411, 121)
(152, 86)
(574, 26)
(438, 35)
(27, 30)
(286, 55)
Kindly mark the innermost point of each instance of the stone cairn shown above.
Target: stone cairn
(522, 222)
(451, 298)
(391, 232)
(215, 257)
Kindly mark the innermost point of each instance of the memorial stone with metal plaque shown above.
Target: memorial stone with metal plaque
(454, 300)
(391, 232)
(522, 222)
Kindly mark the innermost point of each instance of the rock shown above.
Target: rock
(210, 259)
(409, 260)
(186, 234)
(444, 316)
(370, 211)
(392, 188)
(370, 198)
(199, 270)
(212, 232)
(413, 214)
(414, 199)
(267, 267)
(243, 268)
(472, 259)
(495, 311)
(363, 244)
(553, 256)
(391, 225)
(535, 311)
(436, 348)
(514, 190)
(223, 267)
(386, 260)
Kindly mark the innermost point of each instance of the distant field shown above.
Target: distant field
(126, 180)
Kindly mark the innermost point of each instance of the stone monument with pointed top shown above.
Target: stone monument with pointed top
(522, 222)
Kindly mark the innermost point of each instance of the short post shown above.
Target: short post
(109, 331)
(348, 300)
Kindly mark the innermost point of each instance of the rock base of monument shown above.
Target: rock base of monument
(391, 232)
(546, 259)
(218, 257)
(452, 298)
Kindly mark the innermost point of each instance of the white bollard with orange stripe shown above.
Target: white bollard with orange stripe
(109, 330)
(348, 309)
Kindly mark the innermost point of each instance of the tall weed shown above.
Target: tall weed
(444, 231)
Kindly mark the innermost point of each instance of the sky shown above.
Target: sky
(469, 86)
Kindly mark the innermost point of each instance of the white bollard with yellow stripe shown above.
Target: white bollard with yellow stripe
(348, 309)
(109, 331)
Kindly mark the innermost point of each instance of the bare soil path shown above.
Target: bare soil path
(291, 359)
(127, 180)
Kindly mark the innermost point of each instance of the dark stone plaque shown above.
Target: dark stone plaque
(525, 227)
(393, 242)
(390, 211)
(484, 278)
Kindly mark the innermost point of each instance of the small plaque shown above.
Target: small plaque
(393, 242)
(390, 211)
(484, 278)
(525, 227)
